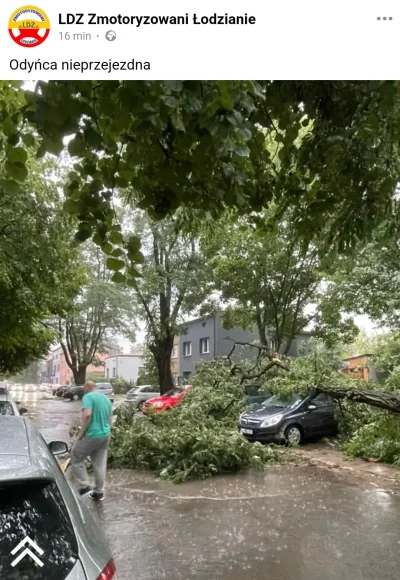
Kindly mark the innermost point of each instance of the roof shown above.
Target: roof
(22, 455)
(13, 436)
(357, 356)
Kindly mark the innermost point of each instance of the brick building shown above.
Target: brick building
(61, 374)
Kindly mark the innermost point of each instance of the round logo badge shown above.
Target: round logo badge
(29, 26)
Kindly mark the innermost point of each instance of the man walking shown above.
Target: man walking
(93, 441)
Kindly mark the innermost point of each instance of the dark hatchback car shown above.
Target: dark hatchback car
(61, 390)
(294, 420)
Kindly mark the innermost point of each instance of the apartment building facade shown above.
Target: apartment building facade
(204, 339)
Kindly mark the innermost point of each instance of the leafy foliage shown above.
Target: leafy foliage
(196, 439)
(38, 272)
(148, 374)
(101, 310)
(273, 282)
(202, 144)
(377, 437)
(173, 280)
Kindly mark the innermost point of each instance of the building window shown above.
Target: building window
(174, 353)
(187, 349)
(204, 345)
(113, 373)
(108, 373)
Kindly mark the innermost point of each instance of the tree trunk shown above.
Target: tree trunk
(162, 355)
(79, 375)
(261, 328)
(379, 399)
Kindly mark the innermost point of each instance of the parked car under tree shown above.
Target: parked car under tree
(139, 395)
(294, 419)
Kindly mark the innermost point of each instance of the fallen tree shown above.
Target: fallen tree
(340, 387)
(194, 440)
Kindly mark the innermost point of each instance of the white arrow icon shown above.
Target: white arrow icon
(27, 552)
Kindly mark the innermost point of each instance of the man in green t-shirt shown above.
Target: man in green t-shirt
(93, 441)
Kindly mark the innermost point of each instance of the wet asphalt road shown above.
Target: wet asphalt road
(288, 523)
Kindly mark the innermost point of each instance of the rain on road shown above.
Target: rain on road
(288, 523)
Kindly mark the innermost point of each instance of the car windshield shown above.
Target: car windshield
(6, 408)
(279, 402)
(173, 392)
(103, 386)
(36, 509)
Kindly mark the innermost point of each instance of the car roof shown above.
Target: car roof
(23, 454)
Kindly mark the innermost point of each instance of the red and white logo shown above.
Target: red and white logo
(29, 26)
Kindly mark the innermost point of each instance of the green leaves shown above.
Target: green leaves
(71, 206)
(54, 146)
(116, 237)
(18, 171)
(118, 278)
(9, 186)
(196, 439)
(15, 164)
(115, 264)
(28, 139)
(77, 147)
(210, 145)
(17, 155)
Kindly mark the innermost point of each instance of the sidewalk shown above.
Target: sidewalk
(320, 455)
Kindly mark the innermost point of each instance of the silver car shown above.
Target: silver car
(106, 389)
(7, 404)
(37, 502)
(139, 395)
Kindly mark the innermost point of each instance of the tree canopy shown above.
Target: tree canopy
(38, 272)
(101, 310)
(274, 282)
(202, 144)
(174, 281)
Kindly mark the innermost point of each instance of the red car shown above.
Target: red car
(167, 401)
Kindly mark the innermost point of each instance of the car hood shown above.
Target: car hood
(162, 399)
(264, 412)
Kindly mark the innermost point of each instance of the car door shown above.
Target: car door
(148, 393)
(323, 417)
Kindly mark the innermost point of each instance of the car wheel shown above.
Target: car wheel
(141, 406)
(75, 397)
(293, 435)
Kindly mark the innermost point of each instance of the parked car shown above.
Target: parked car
(43, 387)
(74, 393)
(36, 500)
(53, 389)
(255, 394)
(7, 404)
(167, 401)
(30, 388)
(294, 419)
(61, 390)
(106, 389)
(139, 395)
